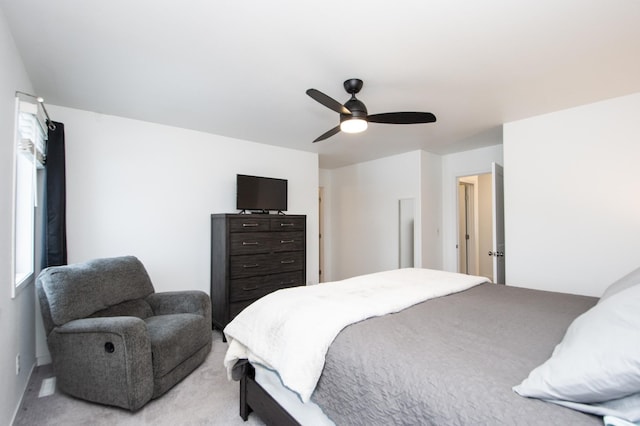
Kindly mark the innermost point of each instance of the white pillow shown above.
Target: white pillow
(631, 279)
(614, 421)
(597, 361)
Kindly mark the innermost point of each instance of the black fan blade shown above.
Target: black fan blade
(328, 134)
(328, 101)
(402, 118)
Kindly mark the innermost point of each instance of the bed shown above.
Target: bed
(466, 352)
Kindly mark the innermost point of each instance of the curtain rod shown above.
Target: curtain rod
(41, 102)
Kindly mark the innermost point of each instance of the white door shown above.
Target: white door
(498, 223)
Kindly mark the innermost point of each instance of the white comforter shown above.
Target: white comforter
(289, 331)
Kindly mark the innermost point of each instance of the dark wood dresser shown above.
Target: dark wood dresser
(252, 256)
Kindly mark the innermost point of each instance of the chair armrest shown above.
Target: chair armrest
(124, 326)
(181, 302)
(104, 359)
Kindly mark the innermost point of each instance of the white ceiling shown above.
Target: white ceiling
(241, 68)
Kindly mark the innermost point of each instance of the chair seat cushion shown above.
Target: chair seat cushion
(174, 338)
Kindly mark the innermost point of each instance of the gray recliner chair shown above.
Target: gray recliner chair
(113, 339)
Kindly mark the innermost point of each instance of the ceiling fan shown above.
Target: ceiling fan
(354, 116)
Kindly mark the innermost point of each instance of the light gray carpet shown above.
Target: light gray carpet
(205, 397)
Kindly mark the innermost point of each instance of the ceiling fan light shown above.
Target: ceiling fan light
(353, 125)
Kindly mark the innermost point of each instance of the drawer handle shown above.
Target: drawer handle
(287, 261)
(286, 224)
(250, 288)
(287, 282)
(287, 241)
(251, 265)
(250, 225)
(252, 243)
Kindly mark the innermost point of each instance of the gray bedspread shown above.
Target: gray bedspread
(450, 361)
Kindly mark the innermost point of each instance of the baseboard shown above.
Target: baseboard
(24, 390)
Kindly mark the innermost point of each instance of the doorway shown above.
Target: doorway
(467, 238)
(475, 225)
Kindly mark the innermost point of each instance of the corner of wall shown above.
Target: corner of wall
(17, 332)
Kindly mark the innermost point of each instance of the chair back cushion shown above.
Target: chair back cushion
(79, 290)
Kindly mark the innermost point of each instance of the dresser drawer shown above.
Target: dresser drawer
(287, 241)
(262, 264)
(250, 224)
(287, 224)
(256, 287)
(251, 242)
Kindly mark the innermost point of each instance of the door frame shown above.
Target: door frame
(477, 248)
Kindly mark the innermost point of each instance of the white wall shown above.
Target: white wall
(572, 210)
(17, 316)
(148, 190)
(467, 163)
(363, 204)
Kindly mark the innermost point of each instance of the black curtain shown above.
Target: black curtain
(55, 216)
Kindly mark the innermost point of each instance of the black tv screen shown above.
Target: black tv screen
(261, 193)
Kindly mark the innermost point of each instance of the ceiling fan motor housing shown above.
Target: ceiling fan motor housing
(357, 108)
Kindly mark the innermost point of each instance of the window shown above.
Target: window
(30, 136)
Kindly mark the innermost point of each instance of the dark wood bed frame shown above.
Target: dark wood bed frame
(253, 398)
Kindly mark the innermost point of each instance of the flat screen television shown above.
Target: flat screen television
(262, 194)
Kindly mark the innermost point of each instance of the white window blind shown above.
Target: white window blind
(32, 131)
